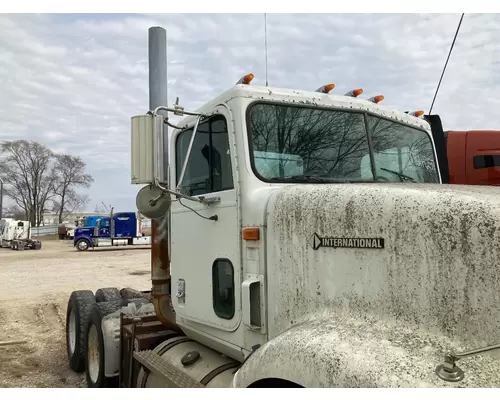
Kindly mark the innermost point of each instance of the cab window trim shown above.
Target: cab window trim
(215, 287)
(481, 161)
(178, 156)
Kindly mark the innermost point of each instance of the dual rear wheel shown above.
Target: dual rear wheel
(84, 338)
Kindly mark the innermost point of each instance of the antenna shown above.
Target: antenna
(446, 63)
(265, 43)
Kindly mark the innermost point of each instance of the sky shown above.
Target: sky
(73, 81)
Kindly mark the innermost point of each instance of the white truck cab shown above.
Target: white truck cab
(16, 234)
(299, 239)
(314, 226)
(264, 140)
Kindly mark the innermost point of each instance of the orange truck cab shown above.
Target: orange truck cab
(473, 157)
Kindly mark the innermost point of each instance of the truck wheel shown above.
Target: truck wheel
(38, 245)
(94, 346)
(77, 315)
(129, 293)
(82, 245)
(107, 294)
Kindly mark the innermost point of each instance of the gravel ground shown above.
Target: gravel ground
(34, 290)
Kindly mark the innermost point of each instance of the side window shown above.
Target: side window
(104, 223)
(487, 161)
(209, 166)
(223, 288)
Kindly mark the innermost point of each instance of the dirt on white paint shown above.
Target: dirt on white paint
(34, 291)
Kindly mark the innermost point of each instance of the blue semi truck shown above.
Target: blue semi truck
(119, 229)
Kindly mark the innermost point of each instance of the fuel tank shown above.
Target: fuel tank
(204, 365)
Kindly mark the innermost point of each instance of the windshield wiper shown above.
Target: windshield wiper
(305, 178)
(402, 177)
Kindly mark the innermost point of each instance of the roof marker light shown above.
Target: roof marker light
(376, 99)
(246, 79)
(326, 88)
(354, 93)
(417, 114)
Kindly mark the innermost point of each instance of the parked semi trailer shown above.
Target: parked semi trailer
(326, 267)
(119, 229)
(16, 235)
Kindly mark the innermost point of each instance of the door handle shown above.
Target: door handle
(210, 200)
(181, 290)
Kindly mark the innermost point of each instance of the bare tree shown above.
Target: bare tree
(70, 172)
(36, 179)
(74, 202)
(29, 174)
(14, 212)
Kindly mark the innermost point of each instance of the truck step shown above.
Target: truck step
(154, 363)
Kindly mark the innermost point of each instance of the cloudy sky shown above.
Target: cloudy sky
(73, 81)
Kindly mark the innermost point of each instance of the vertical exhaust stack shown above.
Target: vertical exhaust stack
(160, 262)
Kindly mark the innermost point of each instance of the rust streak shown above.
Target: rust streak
(160, 273)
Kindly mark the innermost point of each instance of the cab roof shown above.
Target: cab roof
(308, 98)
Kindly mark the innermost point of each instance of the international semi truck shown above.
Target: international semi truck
(301, 238)
(118, 229)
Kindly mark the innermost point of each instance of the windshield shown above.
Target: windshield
(306, 143)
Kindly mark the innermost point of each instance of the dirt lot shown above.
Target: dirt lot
(34, 290)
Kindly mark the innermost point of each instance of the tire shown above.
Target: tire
(38, 246)
(109, 307)
(77, 315)
(129, 293)
(82, 245)
(94, 346)
(107, 294)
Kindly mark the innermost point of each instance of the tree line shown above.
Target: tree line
(39, 180)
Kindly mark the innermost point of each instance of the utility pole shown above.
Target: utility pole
(157, 52)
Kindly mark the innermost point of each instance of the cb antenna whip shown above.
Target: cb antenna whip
(446, 63)
(265, 43)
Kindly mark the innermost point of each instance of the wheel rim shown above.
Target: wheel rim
(72, 331)
(93, 354)
(82, 245)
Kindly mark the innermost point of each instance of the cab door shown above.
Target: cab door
(102, 228)
(205, 239)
